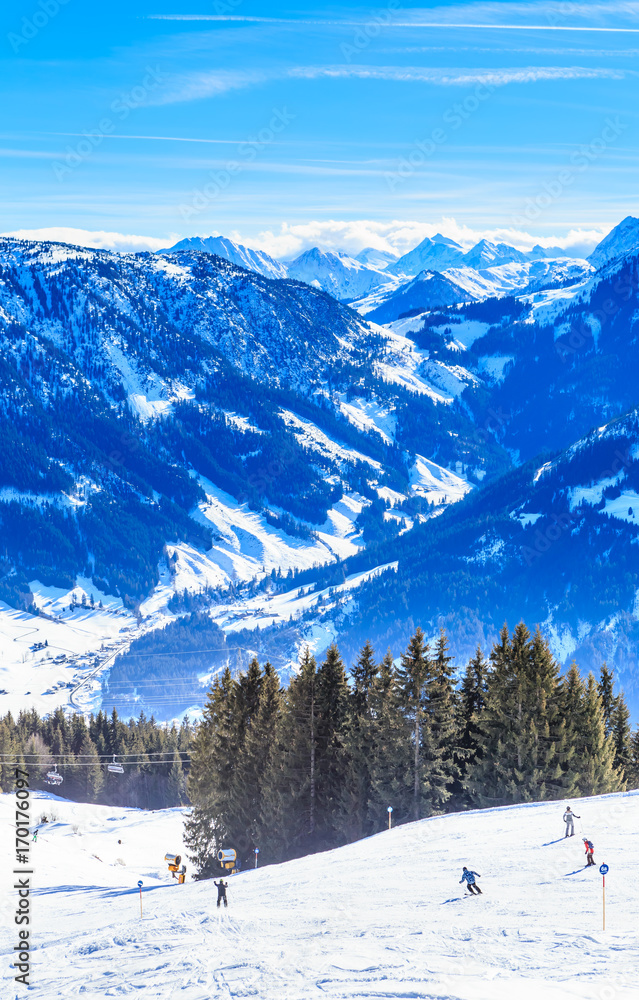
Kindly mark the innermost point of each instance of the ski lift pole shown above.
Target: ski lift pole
(604, 870)
(140, 888)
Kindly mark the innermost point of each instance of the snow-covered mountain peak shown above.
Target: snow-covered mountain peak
(620, 240)
(253, 260)
(434, 254)
(343, 277)
(380, 259)
(487, 254)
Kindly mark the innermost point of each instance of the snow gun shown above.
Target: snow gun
(228, 860)
(174, 867)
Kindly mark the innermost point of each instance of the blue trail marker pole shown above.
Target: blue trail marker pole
(140, 888)
(390, 813)
(604, 871)
(256, 852)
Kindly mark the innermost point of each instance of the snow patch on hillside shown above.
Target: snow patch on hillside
(369, 415)
(266, 610)
(437, 484)
(310, 436)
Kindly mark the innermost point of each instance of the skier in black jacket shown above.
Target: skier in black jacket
(469, 878)
(221, 892)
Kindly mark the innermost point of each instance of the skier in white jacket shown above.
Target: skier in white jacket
(569, 820)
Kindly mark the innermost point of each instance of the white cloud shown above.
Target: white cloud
(195, 86)
(400, 236)
(461, 78)
(540, 16)
(98, 239)
(200, 85)
(397, 235)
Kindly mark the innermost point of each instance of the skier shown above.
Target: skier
(590, 850)
(221, 892)
(469, 878)
(35, 836)
(569, 820)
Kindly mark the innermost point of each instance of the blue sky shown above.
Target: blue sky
(289, 124)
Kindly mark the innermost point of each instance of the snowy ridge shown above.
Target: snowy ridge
(380, 918)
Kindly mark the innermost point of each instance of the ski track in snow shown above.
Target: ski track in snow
(381, 918)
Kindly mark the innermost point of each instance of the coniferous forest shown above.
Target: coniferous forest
(317, 765)
(155, 758)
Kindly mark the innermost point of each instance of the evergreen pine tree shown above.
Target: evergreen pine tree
(633, 767)
(472, 701)
(256, 756)
(176, 782)
(439, 731)
(412, 678)
(210, 778)
(596, 751)
(292, 780)
(388, 747)
(91, 774)
(622, 736)
(605, 688)
(525, 753)
(358, 739)
(332, 707)
(8, 755)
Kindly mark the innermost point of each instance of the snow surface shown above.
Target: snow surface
(383, 917)
(369, 415)
(276, 609)
(45, 678)
(437, 484)
(310, 436)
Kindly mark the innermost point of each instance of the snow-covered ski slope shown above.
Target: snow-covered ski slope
(384, 917)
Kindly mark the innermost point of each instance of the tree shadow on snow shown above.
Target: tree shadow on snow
(104, 890)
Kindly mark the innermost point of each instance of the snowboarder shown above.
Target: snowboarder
(469, 878)
(590, 850)
(221, 892)
(569, 820)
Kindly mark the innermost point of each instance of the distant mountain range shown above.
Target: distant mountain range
(378, 284)
(197, 437)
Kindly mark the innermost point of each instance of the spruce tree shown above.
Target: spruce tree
(292, 779)
(525, 753)
(257, 813)
(210, 778)
(596, 751)
(176, 784)
(389, 749)
(472, 701)
(412, 678)
(8, 754)
(358, 743)
(622, 736)
(633, 767)
(605, 688)
(332, 708)
(439, 729)
(471, 704)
